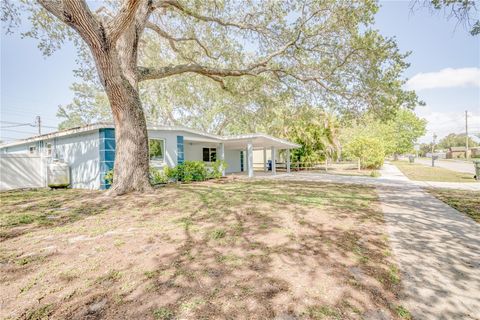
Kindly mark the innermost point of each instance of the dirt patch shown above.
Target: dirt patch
(235, 249)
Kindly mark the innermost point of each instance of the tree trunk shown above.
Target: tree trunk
(131, 168)
(131, 153)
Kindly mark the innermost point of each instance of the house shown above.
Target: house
(456, 152)
(90, 152)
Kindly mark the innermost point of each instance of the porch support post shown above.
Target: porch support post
(250, 159)
(221, 150)
(274, 167)
(288, 160)
(265, 168)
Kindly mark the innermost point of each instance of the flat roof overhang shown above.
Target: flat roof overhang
(259, 141)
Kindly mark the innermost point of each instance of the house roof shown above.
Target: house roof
(457, 149)
(258, 139)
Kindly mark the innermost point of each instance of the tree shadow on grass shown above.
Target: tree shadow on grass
(261, 250)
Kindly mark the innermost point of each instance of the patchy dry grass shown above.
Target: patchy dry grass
(464, 201)
(420, 172)
(216, 250)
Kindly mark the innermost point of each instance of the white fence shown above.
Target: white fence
(22, 171)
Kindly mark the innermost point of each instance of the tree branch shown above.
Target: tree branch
(77, 15)
(163, 72)
(162, 33)
(123, 20)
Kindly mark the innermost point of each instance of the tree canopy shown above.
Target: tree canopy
(456, 140)
(223, 66)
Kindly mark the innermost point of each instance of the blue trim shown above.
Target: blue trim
(107, 154)
(180, 150)
(241, 161)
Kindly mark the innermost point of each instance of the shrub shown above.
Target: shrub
(369, 150)
(216, 170)
(375, 174)
(188, 171)
(109, 176)
(157, 176)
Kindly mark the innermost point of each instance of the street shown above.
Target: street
(459, 166)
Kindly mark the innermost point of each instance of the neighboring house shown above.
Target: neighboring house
(456, 152)
(90, 150)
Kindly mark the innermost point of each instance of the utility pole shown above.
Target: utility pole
(433, 149)
(466, 134)
(38, 122)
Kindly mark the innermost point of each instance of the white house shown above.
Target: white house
(90, 151)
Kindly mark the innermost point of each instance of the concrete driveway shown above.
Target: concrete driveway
(459, 166)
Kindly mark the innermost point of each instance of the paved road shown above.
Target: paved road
(459, 166)
(436, 247)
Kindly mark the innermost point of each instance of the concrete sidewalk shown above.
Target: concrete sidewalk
(438, 250)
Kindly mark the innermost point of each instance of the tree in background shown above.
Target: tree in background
(404, 131)
(456, 140)
(324, 50)
(368, 150)
(392, 137)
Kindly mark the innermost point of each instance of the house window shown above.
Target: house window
(156, 149)
(32, 149)
(210, 154)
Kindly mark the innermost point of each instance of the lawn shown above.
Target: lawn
(464, 201)
(216, 250)
(420, 172)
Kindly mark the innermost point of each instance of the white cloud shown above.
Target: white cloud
(445, 78)
(444, 123)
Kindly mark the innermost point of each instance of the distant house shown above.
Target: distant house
(456, 152)
(90, 152)
(475, 152)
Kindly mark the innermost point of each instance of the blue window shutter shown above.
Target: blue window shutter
(180, 150)
(107, 154)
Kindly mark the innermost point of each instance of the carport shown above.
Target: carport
(258, 141)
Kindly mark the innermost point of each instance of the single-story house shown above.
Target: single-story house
(89, 151)
(456, 152)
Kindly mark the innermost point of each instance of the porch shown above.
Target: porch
(250, 154)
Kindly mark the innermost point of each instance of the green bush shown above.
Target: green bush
(109, 176)
(216, 171)
(369, 150)
(157, 176)
(188, 171)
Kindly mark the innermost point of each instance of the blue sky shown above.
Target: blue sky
(445, 71)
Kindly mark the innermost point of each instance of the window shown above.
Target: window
(32, 149)
(210, 154)
(156, 149)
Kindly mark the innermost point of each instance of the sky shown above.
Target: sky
(444, 71)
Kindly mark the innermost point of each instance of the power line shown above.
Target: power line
(19, 131)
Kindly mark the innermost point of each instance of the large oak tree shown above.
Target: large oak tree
(320, 50)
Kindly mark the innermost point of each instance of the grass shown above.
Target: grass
(464, 201)
(420, 172)
(258, 249)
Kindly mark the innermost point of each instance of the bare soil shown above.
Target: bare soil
(224, 249)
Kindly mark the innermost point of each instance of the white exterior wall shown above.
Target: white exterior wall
(232, 157)
(170, 138)
(194, 152)
(22, 171)
(80, 151)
